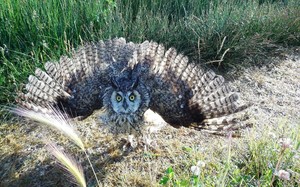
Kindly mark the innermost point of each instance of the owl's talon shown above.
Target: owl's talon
(131, 143)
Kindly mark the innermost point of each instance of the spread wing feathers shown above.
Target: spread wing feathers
(74, 84)
(183, 92)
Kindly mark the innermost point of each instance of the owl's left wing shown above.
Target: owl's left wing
(75, 84)
(184, 93)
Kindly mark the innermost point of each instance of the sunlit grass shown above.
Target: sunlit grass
(263, 157)
(33, 32)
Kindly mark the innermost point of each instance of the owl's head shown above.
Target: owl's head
(127, 98)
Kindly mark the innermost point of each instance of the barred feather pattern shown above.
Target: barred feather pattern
(182, 92)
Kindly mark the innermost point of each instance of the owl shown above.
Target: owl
(124, 79)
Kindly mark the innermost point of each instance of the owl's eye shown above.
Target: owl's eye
(131, 97)
(119, 98)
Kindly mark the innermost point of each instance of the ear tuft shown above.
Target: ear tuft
(114, 82)
(135, 83)
(136, 70)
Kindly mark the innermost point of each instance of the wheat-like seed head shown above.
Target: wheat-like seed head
(56, 121)
(68, 163)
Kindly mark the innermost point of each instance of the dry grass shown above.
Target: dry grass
(259, 158)
(250, 160)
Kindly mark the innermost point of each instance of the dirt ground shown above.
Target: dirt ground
(273, 89)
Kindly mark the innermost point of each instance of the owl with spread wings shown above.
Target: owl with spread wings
(124, 80)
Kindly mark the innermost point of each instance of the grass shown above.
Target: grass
(250, 164)
(33, 32)
(260, 158)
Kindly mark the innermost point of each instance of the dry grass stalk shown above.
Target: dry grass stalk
(57, 121)
(68, 163)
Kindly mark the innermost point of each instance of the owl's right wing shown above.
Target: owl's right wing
(75, 84)
(184, 93)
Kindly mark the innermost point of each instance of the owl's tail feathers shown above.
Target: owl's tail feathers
(40, 92)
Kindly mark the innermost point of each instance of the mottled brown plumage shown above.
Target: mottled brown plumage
(125, 79)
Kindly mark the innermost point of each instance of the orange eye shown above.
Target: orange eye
(119, 98)
(131, 97)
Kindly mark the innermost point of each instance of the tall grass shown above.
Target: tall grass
(33, 32)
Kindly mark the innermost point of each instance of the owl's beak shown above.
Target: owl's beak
(125, 105)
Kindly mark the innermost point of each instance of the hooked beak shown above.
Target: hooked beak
(125, 105)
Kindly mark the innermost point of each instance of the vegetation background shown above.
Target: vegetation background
(221, 34)
(33, 32)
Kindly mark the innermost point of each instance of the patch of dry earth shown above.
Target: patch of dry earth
(274, 91)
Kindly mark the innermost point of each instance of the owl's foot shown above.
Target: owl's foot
(131, 143)
(144, 142)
